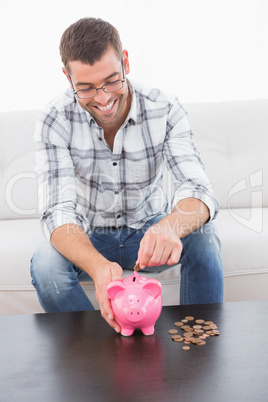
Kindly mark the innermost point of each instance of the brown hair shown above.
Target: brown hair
(87, 40)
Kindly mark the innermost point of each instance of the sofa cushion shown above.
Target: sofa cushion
(244, 237)
(17, 165)
(232, 137)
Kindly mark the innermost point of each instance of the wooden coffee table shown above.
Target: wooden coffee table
(78, 357)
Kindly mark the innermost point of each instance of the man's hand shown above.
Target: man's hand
(160, 245)
(105, 274)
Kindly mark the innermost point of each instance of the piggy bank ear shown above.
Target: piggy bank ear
(154, 286)
(114, 287)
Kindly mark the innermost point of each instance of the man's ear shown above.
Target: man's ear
(126, 61)
(67, 75)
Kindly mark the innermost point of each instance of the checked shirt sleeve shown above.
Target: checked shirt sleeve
(56, 178)
(184, 161)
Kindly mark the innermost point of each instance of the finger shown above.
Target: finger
(175, 255)
(148, 246)
(159, 253)
(166, 252)
(108, 314)
(140, 252)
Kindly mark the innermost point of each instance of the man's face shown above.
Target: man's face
(105, 108)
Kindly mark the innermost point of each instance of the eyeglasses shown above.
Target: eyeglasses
(109, 87)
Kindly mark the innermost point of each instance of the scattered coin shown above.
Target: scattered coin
(194, 334)
(201, 343)
(178, 324)
(184, 327)
(189, 318)
(173, 331)
(198, 331)
(197, 327)
(178, 339)
(188, 329)
(199, 321)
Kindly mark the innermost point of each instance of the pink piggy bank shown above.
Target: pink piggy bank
(136, 303)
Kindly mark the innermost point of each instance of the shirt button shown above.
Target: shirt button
(114, 164)
(116, 192)
(118, 216)
(100, 138)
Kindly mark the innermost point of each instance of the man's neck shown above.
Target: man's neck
(110, 130)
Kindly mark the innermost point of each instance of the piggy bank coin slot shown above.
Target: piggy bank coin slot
(134, 279)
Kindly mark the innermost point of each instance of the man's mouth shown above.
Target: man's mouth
(106, 108)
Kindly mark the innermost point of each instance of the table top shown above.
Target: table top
(66, 357)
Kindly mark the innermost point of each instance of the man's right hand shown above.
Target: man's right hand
(73, 243)
(104, 274)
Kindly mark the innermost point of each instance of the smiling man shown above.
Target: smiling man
(101, 148)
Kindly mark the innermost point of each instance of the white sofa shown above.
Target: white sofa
(233, 140)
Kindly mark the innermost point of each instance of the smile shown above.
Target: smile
(108, 107)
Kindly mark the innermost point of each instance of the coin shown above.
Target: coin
(189, 329)
(209, 332)
(178, 324)
(187, 334)
(203, 337)
(208, 322)
(184, 327)
(173, 331)
(201, 343)
(184, 320)
(189, 318)
(198, 331)
(186, 347)
(199, 321)
(197, 327)
(178, 339)
(196, 340)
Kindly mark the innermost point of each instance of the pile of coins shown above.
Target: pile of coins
(195, 334)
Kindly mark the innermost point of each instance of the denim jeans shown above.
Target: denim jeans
(57, 280)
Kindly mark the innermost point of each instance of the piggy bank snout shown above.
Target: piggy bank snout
(134, 313)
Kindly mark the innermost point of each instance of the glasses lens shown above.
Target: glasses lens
(113, 86)
(86, 93)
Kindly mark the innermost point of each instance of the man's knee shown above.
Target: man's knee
(46, 263)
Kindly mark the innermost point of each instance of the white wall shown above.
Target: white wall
(202, 50)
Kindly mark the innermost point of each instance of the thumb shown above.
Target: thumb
(117, 273)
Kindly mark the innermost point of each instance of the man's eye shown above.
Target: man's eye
(87, 89)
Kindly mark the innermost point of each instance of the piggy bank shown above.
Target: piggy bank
(136, 303)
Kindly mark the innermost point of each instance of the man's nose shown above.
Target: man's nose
(102, 97)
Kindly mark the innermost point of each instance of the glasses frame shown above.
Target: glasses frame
(103, 87)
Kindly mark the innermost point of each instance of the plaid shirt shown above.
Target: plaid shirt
(83, 181)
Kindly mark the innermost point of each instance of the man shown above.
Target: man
(100, 151)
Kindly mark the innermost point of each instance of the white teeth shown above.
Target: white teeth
(108, 107)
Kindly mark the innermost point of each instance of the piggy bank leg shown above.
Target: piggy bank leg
(148, 330)
(127, 331)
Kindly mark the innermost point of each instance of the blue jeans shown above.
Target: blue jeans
(57, 280)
